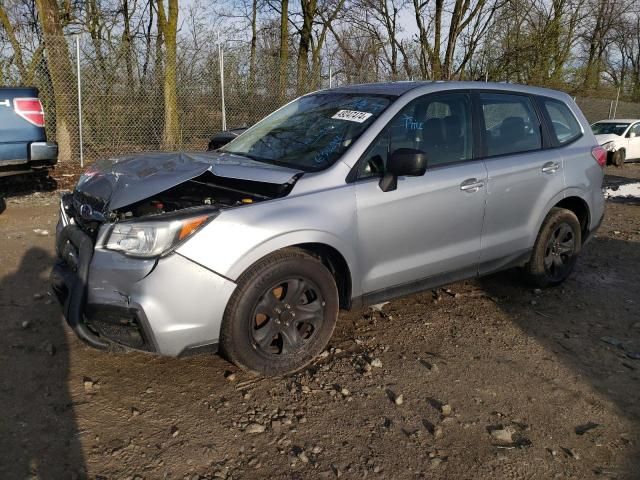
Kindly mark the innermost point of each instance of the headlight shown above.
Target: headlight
(610, 146)
(152, 238)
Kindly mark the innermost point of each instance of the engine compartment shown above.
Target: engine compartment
(205, 190)
(188, 195)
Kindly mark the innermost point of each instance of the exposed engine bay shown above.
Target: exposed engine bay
(207, 191)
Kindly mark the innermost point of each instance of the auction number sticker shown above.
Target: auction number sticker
(352, 116)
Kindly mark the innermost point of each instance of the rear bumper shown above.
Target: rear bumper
(592, 231)
(41, 156)
(169, 305)
(45, 153)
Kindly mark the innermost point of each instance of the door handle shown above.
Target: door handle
(550, 167)
(471, 185)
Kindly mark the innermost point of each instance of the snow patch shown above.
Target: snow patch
(628, 190)
(378, 306)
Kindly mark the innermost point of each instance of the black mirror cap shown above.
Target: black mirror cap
(220, 139)
(407, 162)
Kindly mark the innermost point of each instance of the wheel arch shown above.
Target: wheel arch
(571, 199)
(580, 208)
(336, 254)
(337, 265)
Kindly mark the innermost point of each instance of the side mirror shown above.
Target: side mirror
(220, 139)
(403, 162)
(632, 134)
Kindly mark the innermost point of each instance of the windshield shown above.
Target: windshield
(605, 128)
(312, 132)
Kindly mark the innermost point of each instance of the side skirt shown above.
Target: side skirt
(436, 281)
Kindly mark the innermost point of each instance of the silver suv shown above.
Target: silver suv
(342, 198)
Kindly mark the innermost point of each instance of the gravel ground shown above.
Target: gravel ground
(482, 379)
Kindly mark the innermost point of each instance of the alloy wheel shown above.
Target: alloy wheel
(287, 316)
(559, 251)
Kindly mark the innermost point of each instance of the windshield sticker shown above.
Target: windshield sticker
(352, 116)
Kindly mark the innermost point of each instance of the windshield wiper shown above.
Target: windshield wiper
(249, 156)
(270, 161)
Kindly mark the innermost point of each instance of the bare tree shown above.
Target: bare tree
(438, 49)
(25, 68)
(380, 18)
(62, 76)
(597, 36)
(168, 30)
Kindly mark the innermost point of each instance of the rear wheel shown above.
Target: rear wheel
(556, 249)
(281, 315)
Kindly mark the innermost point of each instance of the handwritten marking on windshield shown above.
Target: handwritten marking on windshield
(410, 123)
(323, 155)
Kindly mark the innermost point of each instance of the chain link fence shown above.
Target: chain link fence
(121, 106)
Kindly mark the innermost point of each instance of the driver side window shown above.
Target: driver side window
(635, 129)
(438, 125)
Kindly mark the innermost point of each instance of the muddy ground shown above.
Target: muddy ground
(496, 381)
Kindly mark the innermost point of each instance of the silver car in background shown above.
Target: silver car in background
(342, 198)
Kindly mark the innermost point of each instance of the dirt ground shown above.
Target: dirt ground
(486, 379)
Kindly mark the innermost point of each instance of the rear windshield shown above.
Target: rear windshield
(606, 128)
(312, 132)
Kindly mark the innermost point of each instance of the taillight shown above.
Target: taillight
(30, 109)
(600, 155)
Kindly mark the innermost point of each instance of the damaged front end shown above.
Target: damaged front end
(117, 231)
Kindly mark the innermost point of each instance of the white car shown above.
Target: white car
(620, 138)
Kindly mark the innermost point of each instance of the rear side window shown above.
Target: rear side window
(511, 124)
(565, 127)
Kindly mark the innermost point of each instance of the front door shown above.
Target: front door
(430, 225)
(633, 142)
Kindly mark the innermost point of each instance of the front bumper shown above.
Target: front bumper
(168, 306)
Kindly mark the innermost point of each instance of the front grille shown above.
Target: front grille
(86, 212)
(119, 325)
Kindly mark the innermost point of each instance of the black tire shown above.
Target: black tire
(619, 158)
(281, 315)
(556, 249)
(3, 204)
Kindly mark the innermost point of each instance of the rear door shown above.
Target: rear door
(429, 225)
(522, 177)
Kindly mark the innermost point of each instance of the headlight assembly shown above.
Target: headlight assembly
(153, 238)
(610, 146)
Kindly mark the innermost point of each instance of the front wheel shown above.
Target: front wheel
(619, 157)
(556, 249)
(281, 315)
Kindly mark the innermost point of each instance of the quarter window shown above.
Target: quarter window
(438, 125)
(564, 125)
(511, 124)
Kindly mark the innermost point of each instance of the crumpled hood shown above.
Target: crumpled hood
(607, 137)
(122, 181)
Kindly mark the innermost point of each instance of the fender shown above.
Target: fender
(238, 238)
(291, 239)
(566, 193)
